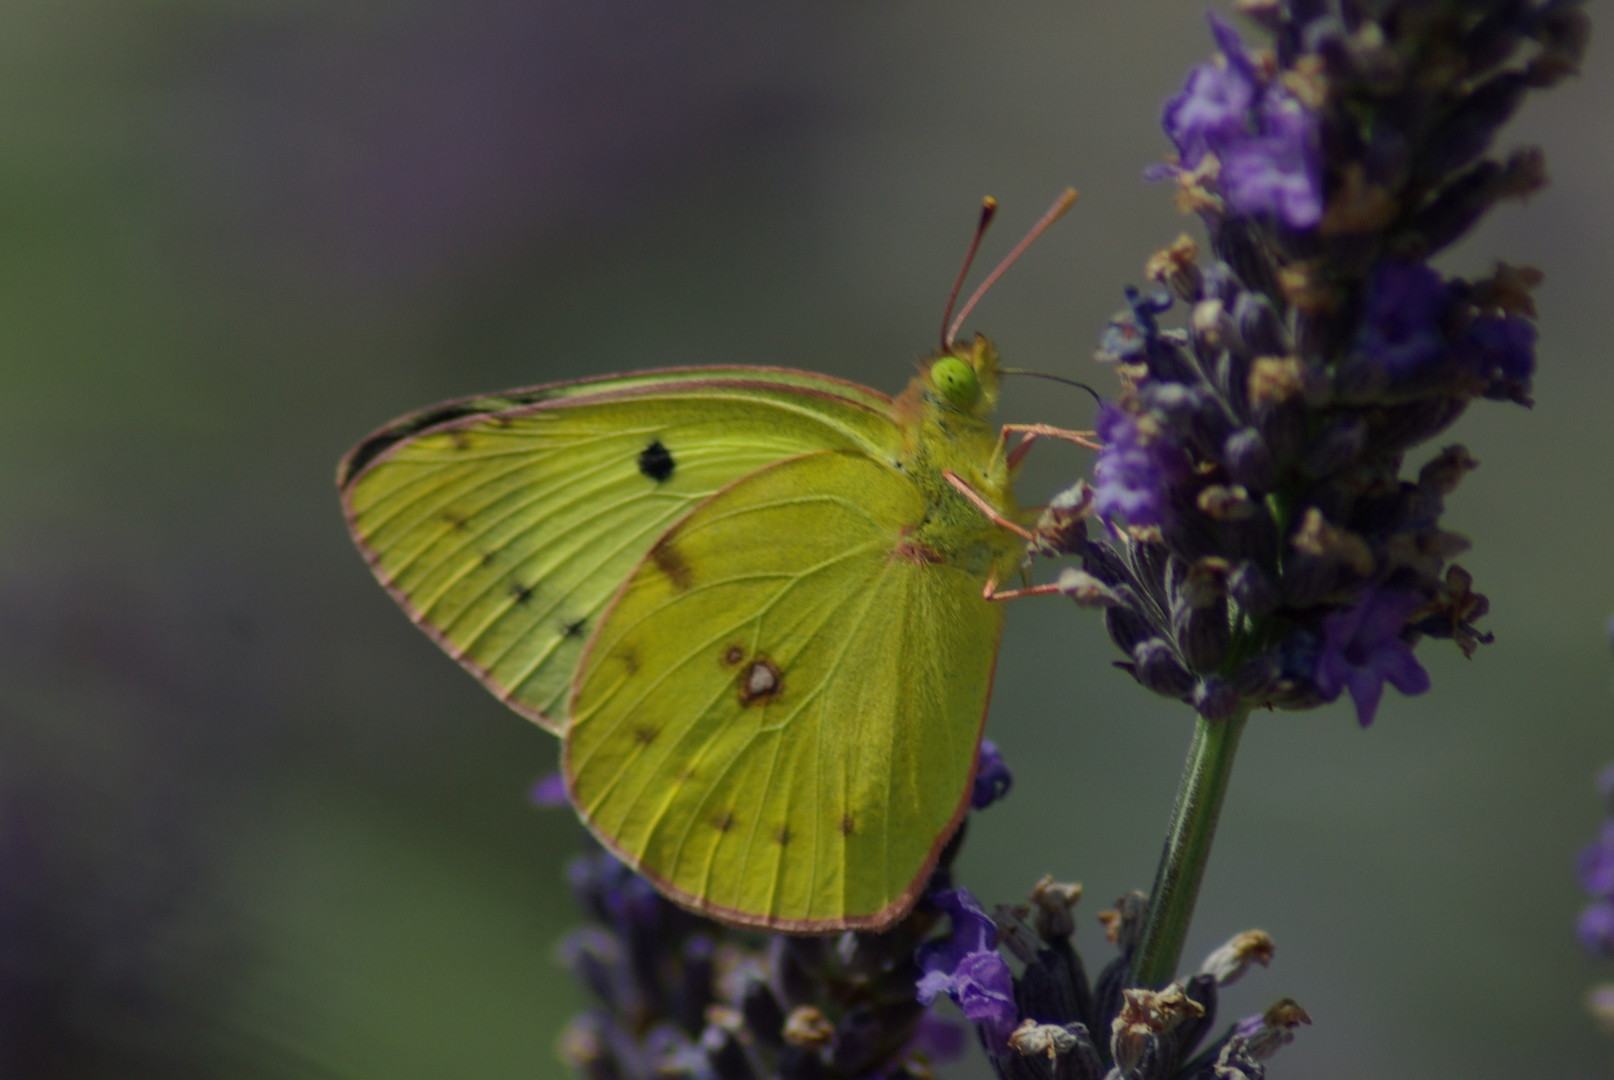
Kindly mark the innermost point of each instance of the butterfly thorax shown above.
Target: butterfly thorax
(943, 417)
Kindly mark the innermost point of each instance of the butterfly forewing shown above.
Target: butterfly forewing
(504, 533)
(778, 718)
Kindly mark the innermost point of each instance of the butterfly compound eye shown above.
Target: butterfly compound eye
(956, 381)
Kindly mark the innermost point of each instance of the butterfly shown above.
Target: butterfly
(757, 604)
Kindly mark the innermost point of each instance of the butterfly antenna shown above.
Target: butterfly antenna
(1052, 378)
(989, 209)
(1055, 212)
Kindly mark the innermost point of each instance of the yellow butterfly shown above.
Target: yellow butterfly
(754, 601)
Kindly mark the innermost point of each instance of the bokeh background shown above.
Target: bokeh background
(253, 824)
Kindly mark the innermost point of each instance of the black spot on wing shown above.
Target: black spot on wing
(574, 628)
(519, 592)
(656, 462)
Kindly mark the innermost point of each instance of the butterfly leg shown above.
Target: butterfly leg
(991, 592)
(985, 507)
(1032, 432)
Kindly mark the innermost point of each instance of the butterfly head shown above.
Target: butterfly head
(964, 379)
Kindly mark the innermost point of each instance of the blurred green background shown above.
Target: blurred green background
(253, 824)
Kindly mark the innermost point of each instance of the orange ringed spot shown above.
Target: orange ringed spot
(761, 682)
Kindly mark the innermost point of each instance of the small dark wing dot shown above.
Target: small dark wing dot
(519, 592)
(656, 462)
(846, 824)
(574, 628)
(723, 822)
(782, 835)
(644, 734)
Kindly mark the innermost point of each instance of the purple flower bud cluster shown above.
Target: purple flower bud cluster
(1050, 1021)
(678, 997)
(1258, 543)
(681, 998)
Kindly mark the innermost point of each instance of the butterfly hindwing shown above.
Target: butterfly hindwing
(504, 525)
(777, 720)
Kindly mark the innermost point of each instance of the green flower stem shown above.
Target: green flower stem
(1182, 865)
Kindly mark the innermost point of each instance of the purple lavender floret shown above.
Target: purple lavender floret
(1213, 106)
(1595, 868)
(1502, 351)
(1596, 864)
(1363, 649)
(992, 776)
(1402, 327)
(967, 968)
(1134, 471)
(1595, 928)
(1266, 140)
(1278, 170)
(548, 790)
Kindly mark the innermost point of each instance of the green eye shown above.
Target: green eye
(956, 381)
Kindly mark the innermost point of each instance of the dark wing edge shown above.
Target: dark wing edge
(444, 415)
